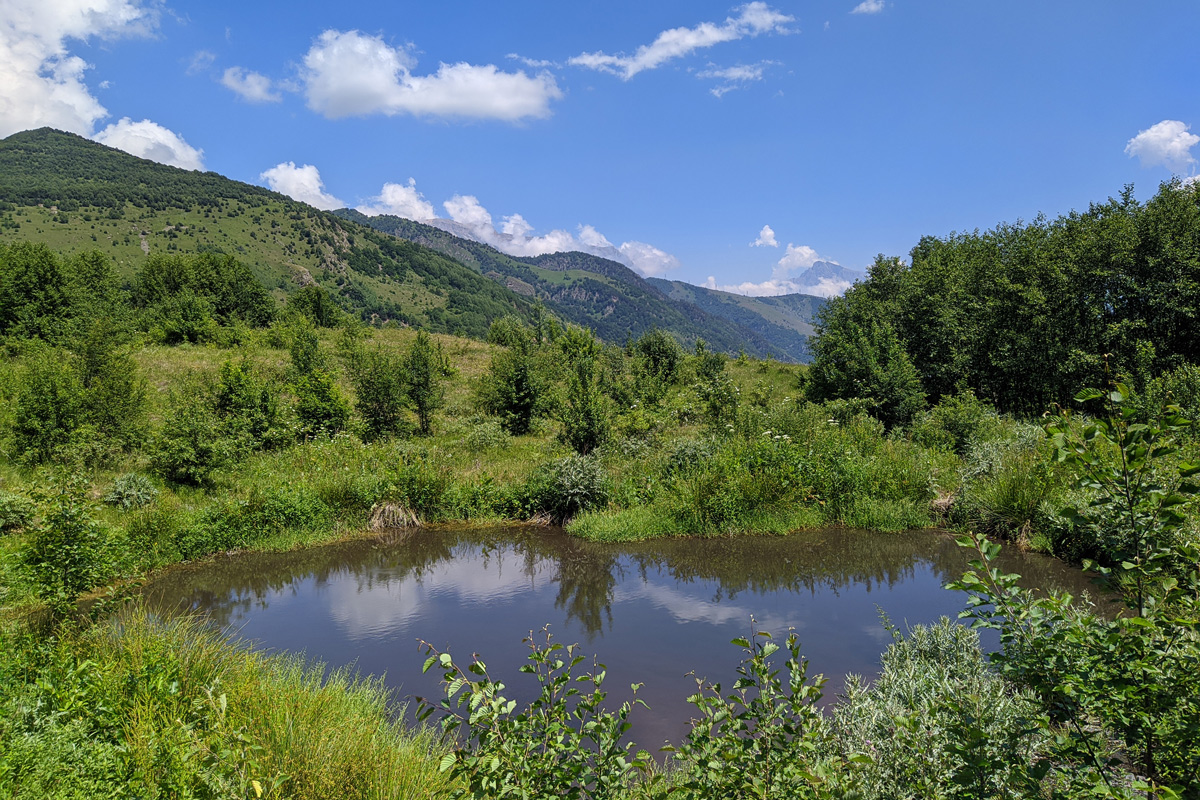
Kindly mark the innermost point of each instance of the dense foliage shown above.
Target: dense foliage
(1024, 314)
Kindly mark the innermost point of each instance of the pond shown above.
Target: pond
(650, 611)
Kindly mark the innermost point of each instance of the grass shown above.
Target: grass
(137, 706)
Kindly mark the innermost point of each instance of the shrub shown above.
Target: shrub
(16, 512)
(131, 490)
(563, 488)
(247, 407)
(512, 389)
(379, 389)
(68, 551)
(585, 415)
(937, 697)
(49, 405)
(487, 434)
(320, 406)
(189, 447)
(423, 381)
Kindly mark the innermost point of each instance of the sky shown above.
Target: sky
(725, 145)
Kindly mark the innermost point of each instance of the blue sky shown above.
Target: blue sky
(673, 131)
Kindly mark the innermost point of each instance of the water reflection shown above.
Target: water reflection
(652, 611)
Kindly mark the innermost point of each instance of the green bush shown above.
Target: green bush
(939, 722)
(16, 512)
(49, 405)
(512, 389)
(585, 416)
(247, 408)
(423, 368)
(131, 490)
(321, 408)
(380, 397)
(68, 551)
(487, 434)
(564, 488)
(189, 447)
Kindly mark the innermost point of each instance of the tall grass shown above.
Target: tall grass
(170, 709)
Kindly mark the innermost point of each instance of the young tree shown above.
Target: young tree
(585, 417)
(423, 380)
(512, 389)
(379, 386)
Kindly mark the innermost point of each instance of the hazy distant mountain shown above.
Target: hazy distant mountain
(826, 279)
(596, 292)
(784, 320)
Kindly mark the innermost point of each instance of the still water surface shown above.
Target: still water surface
(651, 611)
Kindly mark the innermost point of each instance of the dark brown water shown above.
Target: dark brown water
(651, 612)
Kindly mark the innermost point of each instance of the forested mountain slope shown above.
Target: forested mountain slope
(76, 195)
(596, 292)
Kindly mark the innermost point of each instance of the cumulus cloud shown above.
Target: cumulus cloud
(41, 83)
(753, 19)
(252, 87)
(301, 183)
(150, 140)
(515, 237)
(648, 259)
(735, 77)
(788, 275)
(869, 7)
(1166, 144)
(795, 258)
(766, 238)
(352, 74)
(400, 200)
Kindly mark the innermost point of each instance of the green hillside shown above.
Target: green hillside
(785, 321)
(601, 294)
(76, 195)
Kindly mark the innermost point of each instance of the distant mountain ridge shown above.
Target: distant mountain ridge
(596, 292)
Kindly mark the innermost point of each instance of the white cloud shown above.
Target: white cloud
(150, 140)
(825, 287)
(353, 74)
(794, 259)
(733, 77)
(534, 63)
(869, 7)
(648, 259)
(301, 183)
(514, 237)
(252, 87)
(1166, 144)
(400, 200)
(201, 61)
(766, 238)
(41, 83)
(753, 19)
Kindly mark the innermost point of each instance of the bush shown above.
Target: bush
(49, 405)
(937, 697)
(585, 415)
(563, 488)
(379, 389)
(68, 552)
(320, 406)
(190, 447)
(512, 389)
(131, 490)
(247, 407)
(16, 512)
(423, 367)
(487, 435)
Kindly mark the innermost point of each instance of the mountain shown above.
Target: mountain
(74, 194)
(784, 320)
(826, 279)
(596, 292)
